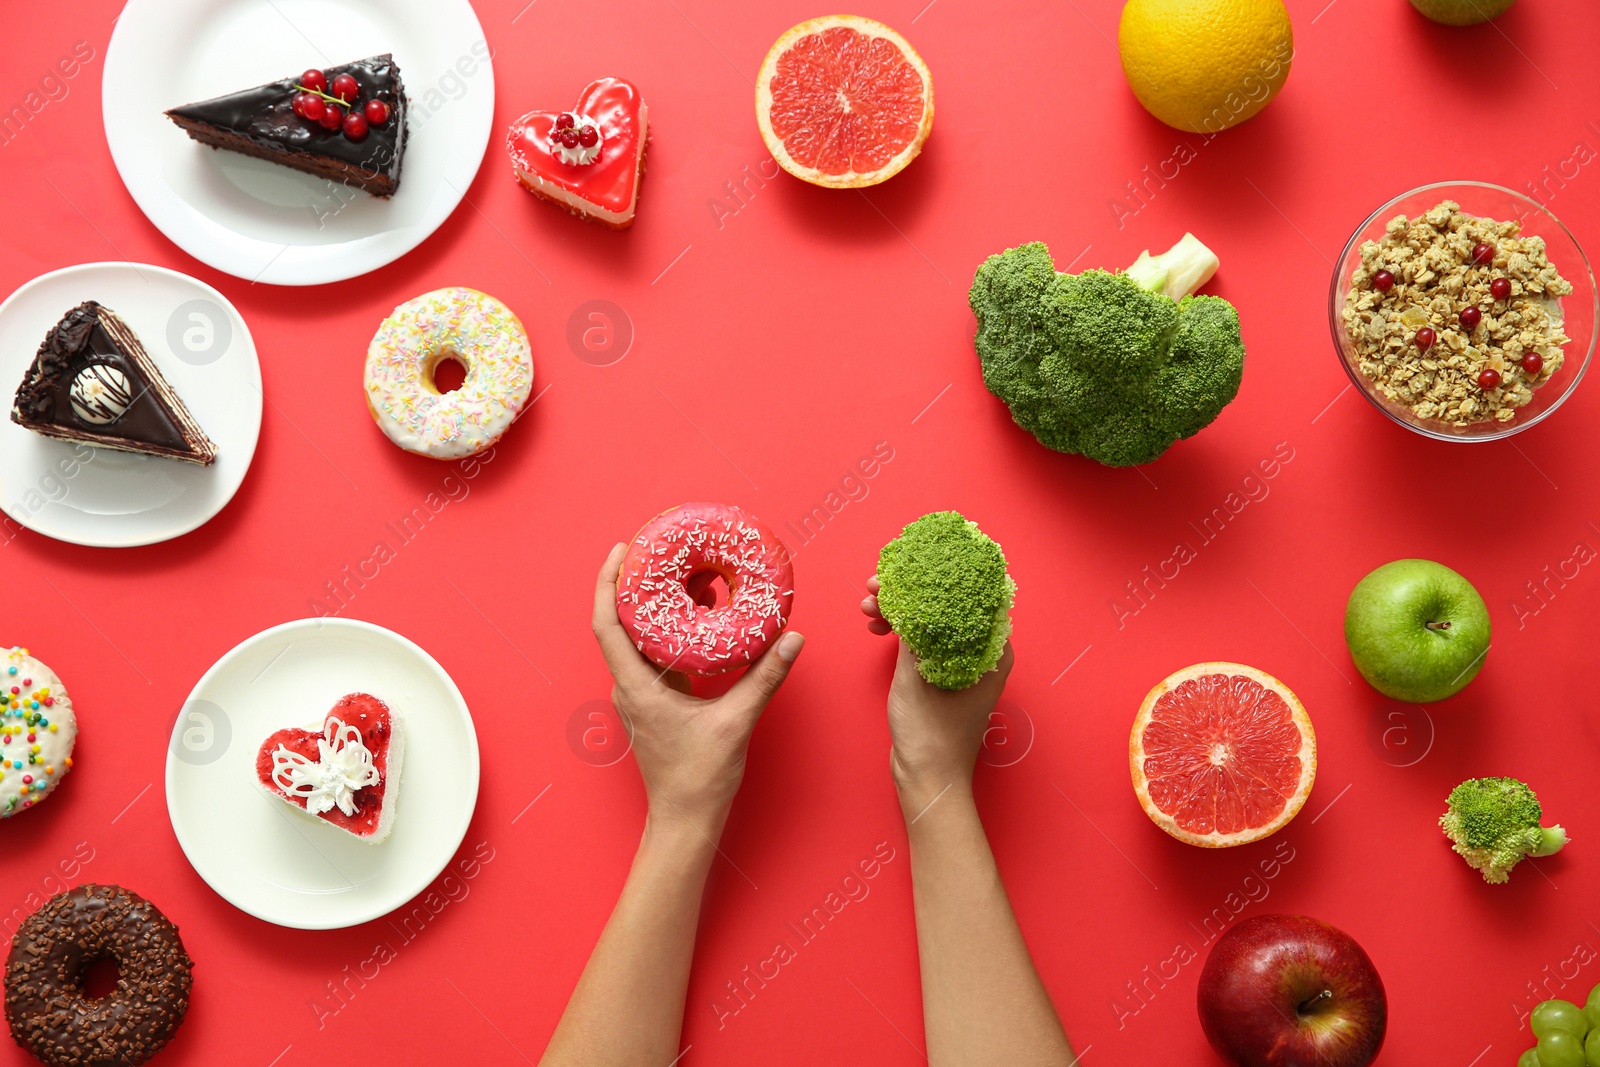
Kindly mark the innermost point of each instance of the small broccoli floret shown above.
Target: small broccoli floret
(1494, 822)
(1113, 366)
(944, 589)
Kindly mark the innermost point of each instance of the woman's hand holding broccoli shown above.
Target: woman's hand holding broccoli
(982, 1001)
(937, 732)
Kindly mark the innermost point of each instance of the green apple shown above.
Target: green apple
(1417, 630)
(1462, 12)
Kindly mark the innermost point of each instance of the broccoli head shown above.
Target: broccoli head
(1113, 366)
(1494, 822)
(944, 589)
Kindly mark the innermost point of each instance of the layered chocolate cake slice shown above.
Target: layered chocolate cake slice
(92, 381)
(346, 123)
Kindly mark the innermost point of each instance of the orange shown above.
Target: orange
(1205, 65)
(843, 102)
(1222, 754)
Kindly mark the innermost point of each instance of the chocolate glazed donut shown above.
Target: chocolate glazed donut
(45, 1004)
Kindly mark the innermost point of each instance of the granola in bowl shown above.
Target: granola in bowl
(1456, 318)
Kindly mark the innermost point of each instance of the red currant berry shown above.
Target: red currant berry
(295, 102)
(1383, 281)
(569, 138)
(1500, 288)
(565, 122)
(332, 117)
(377, 112)
(1482, 253)
(589, 137)
(315, 80)
(310, 106)
(1532, 364)
(1470, 317)
(345, 88)
(1426, 337)
(1488, 379)
(355, 126)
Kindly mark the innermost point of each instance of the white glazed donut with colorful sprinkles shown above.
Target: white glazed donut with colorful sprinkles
(37, 732)
(665, 602)
(478, 331)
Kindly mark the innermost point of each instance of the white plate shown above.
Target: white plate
(255, 219)
(279, 865)
(109, 499)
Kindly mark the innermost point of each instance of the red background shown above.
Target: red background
(796, 328)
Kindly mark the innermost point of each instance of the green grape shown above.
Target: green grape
(1591, 1008)
(1591, 1048)
(1561, 1048)
(1550, 1015)
(1529, 1058)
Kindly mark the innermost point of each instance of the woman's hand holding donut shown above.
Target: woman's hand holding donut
(937, 733)
(690, 751)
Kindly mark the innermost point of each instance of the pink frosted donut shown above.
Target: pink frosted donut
(665, 594)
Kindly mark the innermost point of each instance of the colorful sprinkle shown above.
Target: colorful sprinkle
(45, 745)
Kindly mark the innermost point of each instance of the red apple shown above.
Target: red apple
(1290, 991)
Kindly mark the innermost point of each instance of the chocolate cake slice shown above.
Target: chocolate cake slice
(314, 123)
(92, 381)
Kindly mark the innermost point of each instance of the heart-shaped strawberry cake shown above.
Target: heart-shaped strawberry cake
(590, 159)
(345, 773)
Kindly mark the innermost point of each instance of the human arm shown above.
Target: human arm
(628, 1004)
(982, 1000)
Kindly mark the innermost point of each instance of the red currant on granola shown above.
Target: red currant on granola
(1425, 338)
(1482, 253)
(1488, 379)
(1500, 288)
(1470, 317)
(1383, 281)
(1532, 364)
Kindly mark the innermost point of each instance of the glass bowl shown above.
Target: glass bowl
(1580, 309)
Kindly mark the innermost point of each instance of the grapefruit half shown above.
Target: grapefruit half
(1222, 754)
(843, 102)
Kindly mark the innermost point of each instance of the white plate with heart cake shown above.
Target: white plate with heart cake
(322, 773)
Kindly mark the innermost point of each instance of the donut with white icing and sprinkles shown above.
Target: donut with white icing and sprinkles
(665, 597)
(475, 330)
(37, 732)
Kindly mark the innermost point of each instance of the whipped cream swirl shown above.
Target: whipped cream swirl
(343, 767)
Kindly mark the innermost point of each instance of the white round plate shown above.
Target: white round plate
(255, 219)
(109, 499)
(280, 865)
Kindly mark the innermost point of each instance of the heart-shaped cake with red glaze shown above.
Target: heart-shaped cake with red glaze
(590, 159)
(345, 773)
